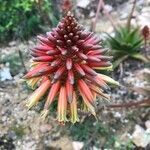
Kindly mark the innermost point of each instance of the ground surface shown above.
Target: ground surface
(21, 129)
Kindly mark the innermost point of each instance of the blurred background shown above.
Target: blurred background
(123, 123)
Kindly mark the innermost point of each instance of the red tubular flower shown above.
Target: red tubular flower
(146, 32)
(66, 5)
(63, 65)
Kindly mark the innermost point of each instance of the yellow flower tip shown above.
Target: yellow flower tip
(34, 64)
(108, 79)
(108, 98)
(30, 103)
(74, 116)
(21, 80)
(109, 68)
(62, 119)
(73, 109)
(33, 82)
(85, 108)
(96, 117)
(44, 114)
(91, 109)
(75, 119)
(117, 83)
(94, 113)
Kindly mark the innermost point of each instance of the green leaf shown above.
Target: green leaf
(113, 42)
(132, 35)
(138, 43)
(118, 61)
(140, 57)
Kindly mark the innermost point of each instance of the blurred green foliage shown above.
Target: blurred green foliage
(91, 132)
(23, 18)
(98, 134)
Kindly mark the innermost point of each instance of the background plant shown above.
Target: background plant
(126, 43)
(23, 18)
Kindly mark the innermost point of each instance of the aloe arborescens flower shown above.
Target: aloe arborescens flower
(63, 65)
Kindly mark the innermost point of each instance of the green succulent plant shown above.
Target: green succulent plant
(126, 43)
